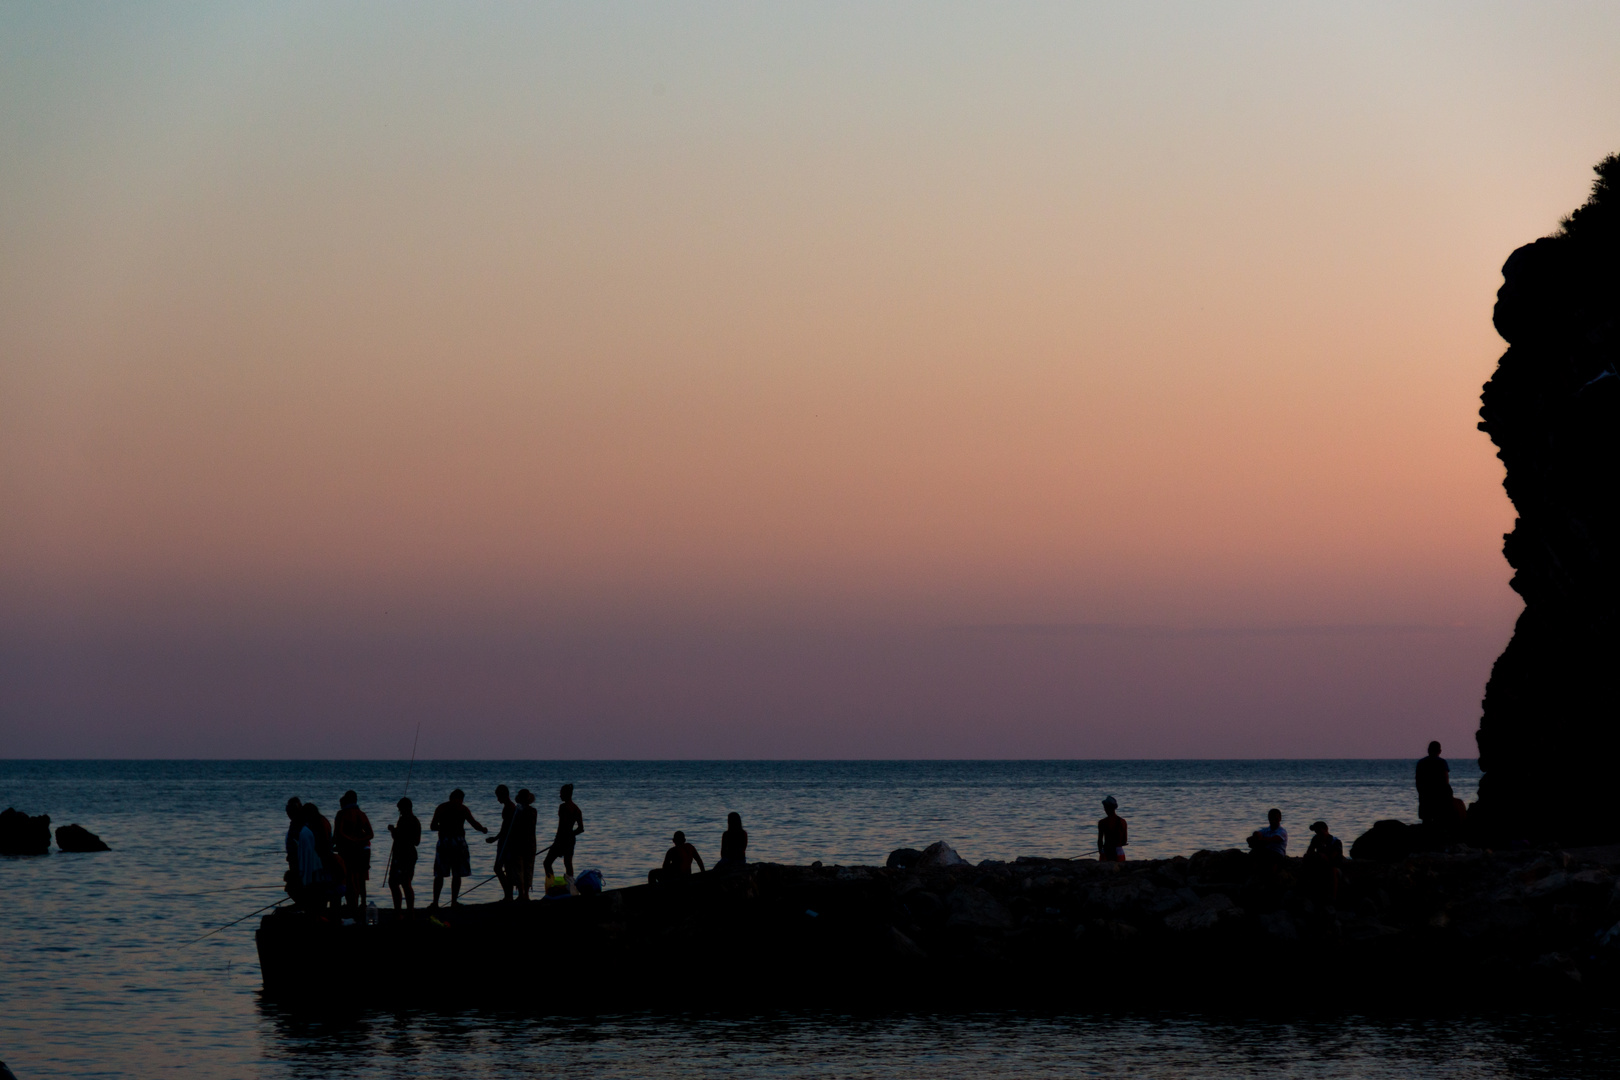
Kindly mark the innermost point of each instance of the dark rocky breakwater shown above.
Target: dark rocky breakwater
(1430, 930)
(1550, 730)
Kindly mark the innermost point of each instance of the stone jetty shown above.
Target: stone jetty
(1426, 931)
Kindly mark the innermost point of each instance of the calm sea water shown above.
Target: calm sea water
(97, 978)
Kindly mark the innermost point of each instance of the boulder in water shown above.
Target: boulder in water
(24, 835)
(78, 838)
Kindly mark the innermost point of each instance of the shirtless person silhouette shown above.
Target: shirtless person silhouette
(450, 856)
(570, 823)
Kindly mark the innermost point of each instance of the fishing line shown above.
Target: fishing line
(389, 865)
(486, 881)
(207, 892)
(233, 922)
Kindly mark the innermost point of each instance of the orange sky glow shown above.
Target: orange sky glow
(730, 381)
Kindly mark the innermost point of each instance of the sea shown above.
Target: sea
(139, 962)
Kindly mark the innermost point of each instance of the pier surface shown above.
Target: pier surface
(1431, 929)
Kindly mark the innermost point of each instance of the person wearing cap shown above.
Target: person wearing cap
(351, 834)
(1111, 833)
(1323, 858)
(407, 833)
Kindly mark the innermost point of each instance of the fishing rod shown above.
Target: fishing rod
(486, 881)
(233, 922)
(389, 865)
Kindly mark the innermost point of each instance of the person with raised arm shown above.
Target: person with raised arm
(450, 856)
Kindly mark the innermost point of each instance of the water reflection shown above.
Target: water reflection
(979, 1045)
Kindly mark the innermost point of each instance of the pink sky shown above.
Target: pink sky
(726, 381)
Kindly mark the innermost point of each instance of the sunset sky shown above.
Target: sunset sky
(832, 380)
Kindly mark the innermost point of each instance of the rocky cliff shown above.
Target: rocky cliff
(1550, 729)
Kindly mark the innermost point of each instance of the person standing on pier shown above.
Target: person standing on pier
(521, 844)
(450, 857)
(1436, 806)
(570, 823)
(508, 808)
(352, 834)
(1112, 833)
(295, 822)
(320, 869)
(407, 833)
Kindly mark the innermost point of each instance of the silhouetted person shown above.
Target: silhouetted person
(733, 844)
(570, 823)
(508, 807)
(1324, 858)
(295, 821)
(407, 833)
(450, 856)
(1436, 807)
(295, 825)
(1272, 841)
(1112, 833)
(678, 862)
(320, 870)
(351, 833)
(521, 844)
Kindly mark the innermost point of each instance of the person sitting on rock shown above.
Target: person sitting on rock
(733, 845)
(678, 862)
(1270, 842)
(1111, 833)
(1323, 857)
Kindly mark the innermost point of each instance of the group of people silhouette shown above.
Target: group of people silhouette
(1438, 808)
(330, 862)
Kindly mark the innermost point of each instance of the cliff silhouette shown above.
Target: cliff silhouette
(1549, 732)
